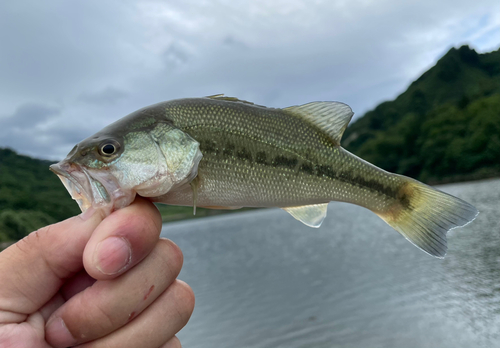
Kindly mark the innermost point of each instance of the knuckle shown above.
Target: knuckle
(90, 317)
(149, 225)
(41, 241)
(172, 343)
(171, 255)
(147, 216)
(25, 245)
(156, 219)
(105, 319)
(185, 299)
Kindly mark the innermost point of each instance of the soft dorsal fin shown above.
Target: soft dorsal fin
(310, 215)
(330, 117)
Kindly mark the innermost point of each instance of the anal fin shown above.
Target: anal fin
(310, 215)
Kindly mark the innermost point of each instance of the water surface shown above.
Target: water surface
(262, 279)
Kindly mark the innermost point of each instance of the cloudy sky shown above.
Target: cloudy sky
(68, 68)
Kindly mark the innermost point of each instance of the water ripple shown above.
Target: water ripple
(262, 279)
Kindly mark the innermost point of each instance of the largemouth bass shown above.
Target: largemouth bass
(224, 153)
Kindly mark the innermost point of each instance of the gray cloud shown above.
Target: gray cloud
(174, 56)
(41, 130)
(231, 41)
(28, 115)
(69, 68)
(109, 95)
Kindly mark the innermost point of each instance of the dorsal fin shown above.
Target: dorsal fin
(330, 117)
(232, 99)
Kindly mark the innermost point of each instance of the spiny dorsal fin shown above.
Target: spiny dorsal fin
(232, 99)
(330, 117)
(310, 215)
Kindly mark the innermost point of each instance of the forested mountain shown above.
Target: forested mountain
(444, 127)
(30, 195)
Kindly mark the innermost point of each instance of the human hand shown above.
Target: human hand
(66, 284)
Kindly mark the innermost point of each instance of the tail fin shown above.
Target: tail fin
(424, 215)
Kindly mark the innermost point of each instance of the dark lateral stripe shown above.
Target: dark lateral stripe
(349, 177)
(282, 161)
(323, 170)
(228, 150)
(307, 168)
(244, 155)
(404, 200)
(208, 146)
(375, 185)
(261, 157)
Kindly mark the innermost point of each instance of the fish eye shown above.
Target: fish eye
(108, 148)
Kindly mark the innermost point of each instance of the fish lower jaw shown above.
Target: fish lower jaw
(108, 195)
(118, 199)
(122, 199)
(92, 189)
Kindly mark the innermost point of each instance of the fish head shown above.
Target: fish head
(133, 156)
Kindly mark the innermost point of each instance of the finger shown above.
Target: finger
(157, 324)
(33, 269)
(75, 285)
(51, 306)
(122, 240)
(172, 343)
(110, 304)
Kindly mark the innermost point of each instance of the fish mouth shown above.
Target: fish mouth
(92, 188)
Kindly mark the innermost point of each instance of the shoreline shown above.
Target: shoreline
(171, 213)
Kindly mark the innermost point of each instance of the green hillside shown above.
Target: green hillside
(30, 195)
(444, 127)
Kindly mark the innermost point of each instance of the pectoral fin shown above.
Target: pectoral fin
(194, 187)
(310, 215)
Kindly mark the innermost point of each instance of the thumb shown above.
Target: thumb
(33, 269)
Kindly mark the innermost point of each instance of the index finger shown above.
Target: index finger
(33, 269)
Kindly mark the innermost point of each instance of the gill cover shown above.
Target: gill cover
(181, 155)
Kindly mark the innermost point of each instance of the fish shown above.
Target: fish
(224, 153)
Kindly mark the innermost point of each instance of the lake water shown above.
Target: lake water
(262, 279)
